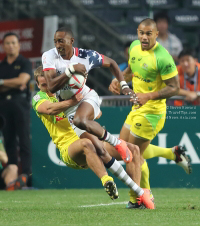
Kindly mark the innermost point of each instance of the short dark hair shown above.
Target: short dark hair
(187, 52)
(147, 22)
(66, 30)
(161, 15)
(10, 34)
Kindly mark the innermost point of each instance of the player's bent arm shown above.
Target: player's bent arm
(21, 80)
(3, 157)
(127, 73)
(55, 82)
(172, 88)
(50, 108)
(114, 68)
(108, 62)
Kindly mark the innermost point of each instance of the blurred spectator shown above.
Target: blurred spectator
(9, 179)
(15, 73)
(170, 41)
(124, 65)
(189, 76)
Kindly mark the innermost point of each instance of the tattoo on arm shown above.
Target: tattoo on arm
(171, 89)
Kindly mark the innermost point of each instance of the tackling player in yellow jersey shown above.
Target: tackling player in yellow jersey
(154, 76)
(81, 153)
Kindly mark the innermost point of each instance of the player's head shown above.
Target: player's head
(40, 79)
(187, 59)
(162, 22)
(63, 40)
(11, 44)
(147, 33)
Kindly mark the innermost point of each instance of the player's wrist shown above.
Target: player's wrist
(69, 71)
(124, 85)
(1, 82)
(153, 96)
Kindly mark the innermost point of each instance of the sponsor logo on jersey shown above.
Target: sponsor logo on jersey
(143, 79)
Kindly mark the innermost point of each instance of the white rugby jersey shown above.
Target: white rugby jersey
(52, 60)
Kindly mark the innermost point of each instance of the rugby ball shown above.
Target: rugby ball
(76, 81)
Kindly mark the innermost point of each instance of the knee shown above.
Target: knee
(80, 121)
(135, 150)
(87, 146)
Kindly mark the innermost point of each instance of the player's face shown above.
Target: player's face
(11, 45)
(162, 26)
(63, 43)
(188, 64)
(42, 84)
(147, 36)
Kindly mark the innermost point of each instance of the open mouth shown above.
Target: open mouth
(145, 44)
(61, 49)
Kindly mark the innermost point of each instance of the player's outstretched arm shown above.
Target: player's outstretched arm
(50, 108)
(115, 86)
(108, 62)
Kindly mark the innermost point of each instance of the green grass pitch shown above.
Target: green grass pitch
(93, 207)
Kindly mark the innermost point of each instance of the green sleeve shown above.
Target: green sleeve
(166, 65)
(39, 97)
(134, 43)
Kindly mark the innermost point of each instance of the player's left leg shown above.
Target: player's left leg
(116, 168)
(83, 119)
(82, 153)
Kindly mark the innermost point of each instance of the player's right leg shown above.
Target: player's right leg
(82, 152)
(86, 112)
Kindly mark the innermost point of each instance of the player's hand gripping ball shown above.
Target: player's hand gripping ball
(76, 81)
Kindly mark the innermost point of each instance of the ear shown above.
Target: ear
(157, 33)
(72, 40)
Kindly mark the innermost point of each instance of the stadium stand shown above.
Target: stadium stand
(117, 20)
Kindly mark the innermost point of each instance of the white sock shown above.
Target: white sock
(112, 139)
(117, 169)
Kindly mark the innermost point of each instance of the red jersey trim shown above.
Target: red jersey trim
(47, 69)
(102, 59)
(76, 51)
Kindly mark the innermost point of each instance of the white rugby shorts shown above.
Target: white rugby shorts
(93, 99)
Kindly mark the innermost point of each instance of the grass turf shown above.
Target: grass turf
(73, 207)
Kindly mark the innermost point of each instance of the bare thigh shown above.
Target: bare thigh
(124, 133)
(76, 152)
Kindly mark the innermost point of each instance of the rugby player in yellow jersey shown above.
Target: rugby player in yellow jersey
(154, 79)
(81, 153)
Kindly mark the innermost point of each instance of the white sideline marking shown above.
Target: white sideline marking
(108, 204)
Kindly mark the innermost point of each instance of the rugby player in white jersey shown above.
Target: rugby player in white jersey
(59, 64)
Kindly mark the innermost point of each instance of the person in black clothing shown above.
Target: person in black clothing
(15, 74)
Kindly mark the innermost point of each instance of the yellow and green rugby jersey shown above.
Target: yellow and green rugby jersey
(149, 69)
(58, 126)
